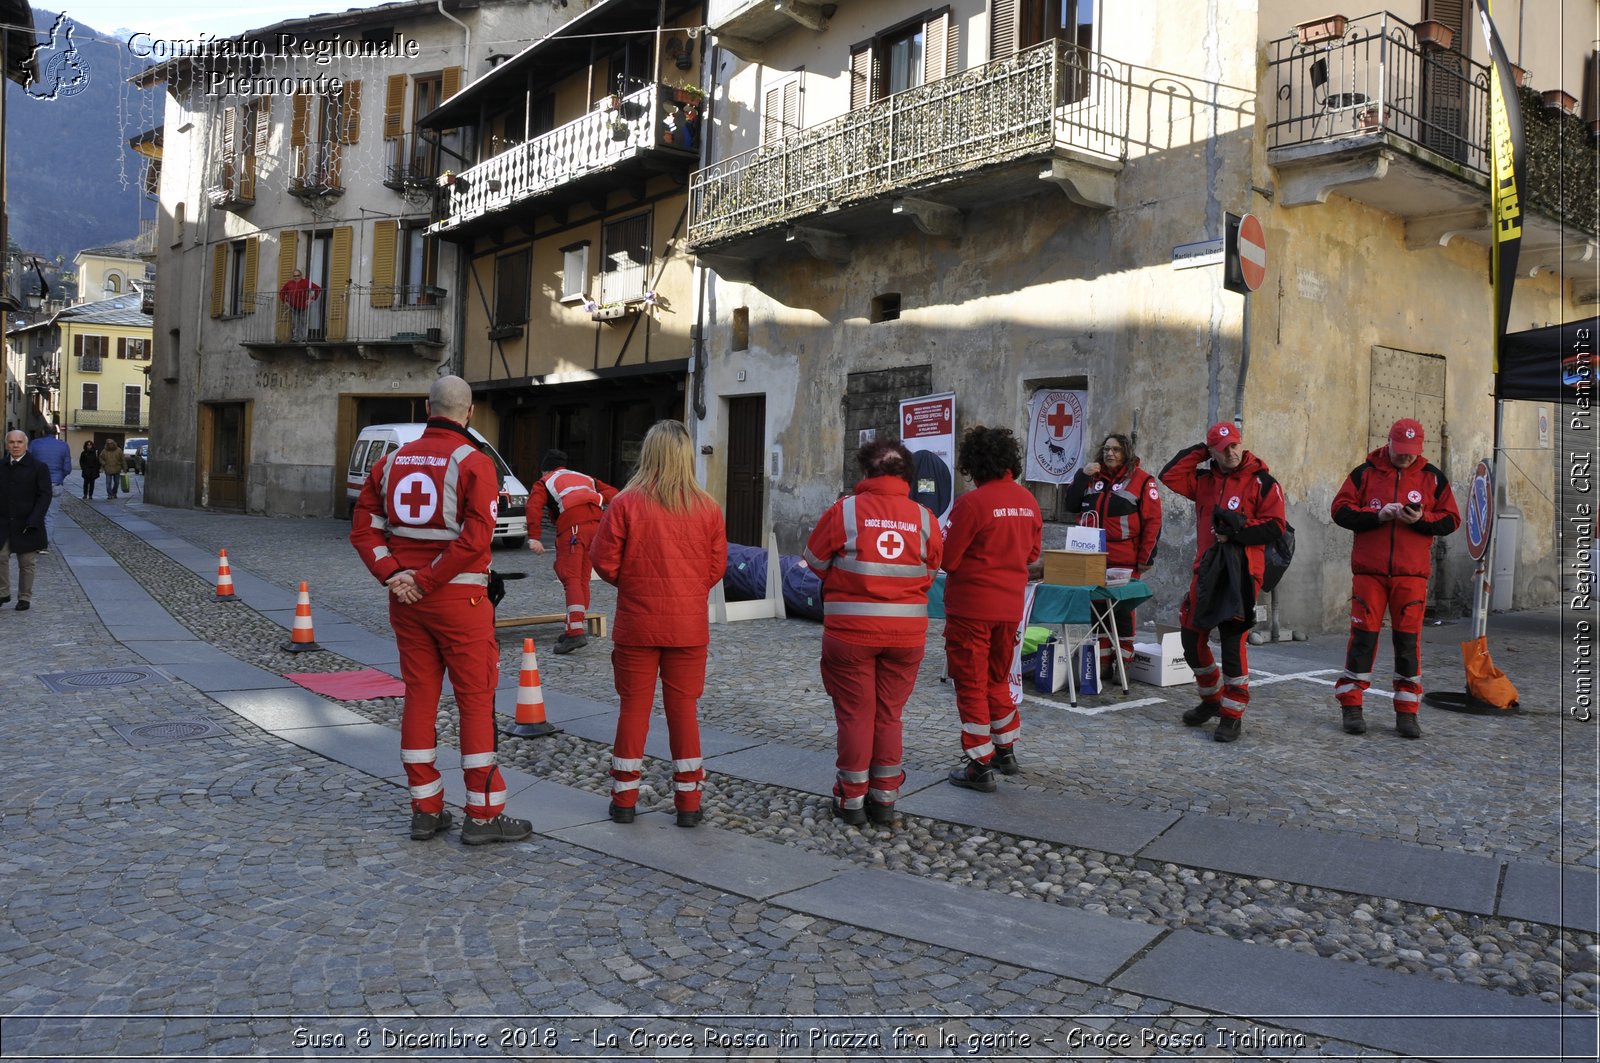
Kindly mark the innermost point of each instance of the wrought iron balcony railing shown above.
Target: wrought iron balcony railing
(1377, 79)
(112, 418)
(600, 139)
(411, 162)
(401, 314)
(1050, 96)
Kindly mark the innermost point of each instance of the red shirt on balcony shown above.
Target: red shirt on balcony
(298, 292)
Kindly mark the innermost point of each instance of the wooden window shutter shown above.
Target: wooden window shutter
(384, 238)
(1003, 29)
(299, 121)
(219, 277)
(230, 133)
(252, 259)
(263, 130)
(452, 83)
(122, 347)
(860, 75)
(77, 343)
(350, 113)
(338, 293)
(394, 106)
(937, 40)
(287, 244)
(1589, 108)
(781, 114)
(791, 106)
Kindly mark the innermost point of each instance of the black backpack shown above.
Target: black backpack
(1280, 552)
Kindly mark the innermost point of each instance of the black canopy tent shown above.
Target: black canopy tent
(1549, 364)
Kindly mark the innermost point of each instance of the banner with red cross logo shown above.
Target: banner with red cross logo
(1055, 435)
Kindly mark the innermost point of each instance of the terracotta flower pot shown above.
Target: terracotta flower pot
(1322, 29)
(1560, 100)
(1434, 34)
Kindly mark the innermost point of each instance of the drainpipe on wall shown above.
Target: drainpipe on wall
(457, 361)
(707, 118)
(466, 46)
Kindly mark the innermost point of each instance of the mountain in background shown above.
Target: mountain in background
(72, 181)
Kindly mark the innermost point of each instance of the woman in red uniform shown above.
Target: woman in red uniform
(992, 537)
(1114, 493)
(662, 544)
(876, 552)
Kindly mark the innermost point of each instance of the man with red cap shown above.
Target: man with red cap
(1238, 510)
(1396, 503)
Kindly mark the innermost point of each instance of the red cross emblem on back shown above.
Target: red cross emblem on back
(416, 499)
(1059, 420)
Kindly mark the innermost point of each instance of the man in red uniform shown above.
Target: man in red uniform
(1396, 503)
(994, 534)
(1238, 509)
(575, 502)
(423, 524)
(1115, 493)
(876, 552)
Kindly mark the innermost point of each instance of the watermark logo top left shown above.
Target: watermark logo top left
(59, 69)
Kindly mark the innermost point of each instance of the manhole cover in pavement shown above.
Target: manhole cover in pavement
(163, 732)
(101, 679)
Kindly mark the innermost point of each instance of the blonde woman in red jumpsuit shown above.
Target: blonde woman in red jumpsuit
(662, 544)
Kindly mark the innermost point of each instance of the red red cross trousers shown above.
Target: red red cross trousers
(1059, 420)
(418, 499)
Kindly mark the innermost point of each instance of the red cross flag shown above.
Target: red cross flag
(1055, 435)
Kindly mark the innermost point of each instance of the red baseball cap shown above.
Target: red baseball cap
(1222, 434)
(1405, 436)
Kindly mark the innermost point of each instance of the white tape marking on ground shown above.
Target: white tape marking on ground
(1271, 678)
(1094, 710)
(1330, 683)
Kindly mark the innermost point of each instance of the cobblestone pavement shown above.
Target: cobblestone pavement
(237, 895)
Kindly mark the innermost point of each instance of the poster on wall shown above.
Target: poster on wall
(1055, 435)
(928, 429)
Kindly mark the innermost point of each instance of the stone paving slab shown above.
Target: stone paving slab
(179, 651)
(1046, 937)
(799, 769)
(276, 710)
(1334, 861)
(717, 858)
(369, 747)
(1050, 817)
(364, 647)
(553, 807)
(1411, 1015)
(713, 743)
(134, 623)
(1555, 895)
(216, 676)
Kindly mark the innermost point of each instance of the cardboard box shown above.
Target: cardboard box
(1074, 569)
(1086, 540)
(1160, 663)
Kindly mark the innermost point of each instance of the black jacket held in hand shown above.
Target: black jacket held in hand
(24, 497)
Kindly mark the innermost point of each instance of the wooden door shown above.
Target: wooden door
(747, 474)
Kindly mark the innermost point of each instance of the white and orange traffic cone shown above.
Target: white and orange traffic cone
(302, 637)
(530, 722)
(224, 579)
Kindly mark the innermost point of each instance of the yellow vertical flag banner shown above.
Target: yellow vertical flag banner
(1505, 173)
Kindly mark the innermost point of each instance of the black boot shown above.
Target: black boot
(1228, 728)
(1355, 723)
(1005, 761)
(1200, 714)
(971, 775)
(1406, 723)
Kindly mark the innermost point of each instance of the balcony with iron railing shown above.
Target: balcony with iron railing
(966, 133)
(316, 170)
(410, 161)
(1384, 116)
(233, 183)
(625, 138)
(128, 418)
(368, 322)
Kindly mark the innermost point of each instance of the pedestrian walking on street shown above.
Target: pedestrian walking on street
(111, 464)
(24, 499)
(1115, 493)
(876, 552)
(53, 451)
(575, 503)
(1397, 504)
(89, 465)
(422, 525)
(663, 545)
(994, 534)
(1238, 510)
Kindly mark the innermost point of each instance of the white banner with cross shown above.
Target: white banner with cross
(1056, 423)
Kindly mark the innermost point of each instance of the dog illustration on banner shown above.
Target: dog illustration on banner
(1055, 435)
(59, 73)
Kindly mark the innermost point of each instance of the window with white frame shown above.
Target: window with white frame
(625, 259)
(575, 272)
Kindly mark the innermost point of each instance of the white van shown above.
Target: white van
(375, 441)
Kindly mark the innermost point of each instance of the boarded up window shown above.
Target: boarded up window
(872, 402)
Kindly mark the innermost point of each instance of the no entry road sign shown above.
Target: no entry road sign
(1246, 264)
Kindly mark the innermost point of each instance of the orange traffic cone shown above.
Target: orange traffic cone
(530, 700)
(224, 579)
(302, 637)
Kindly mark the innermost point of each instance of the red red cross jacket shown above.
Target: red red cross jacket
(1394, 548)
(563, 491)
(663, 565)
(1127, 505)
(876, 552)
(993, 535)
(1249, 491)
(429, 507)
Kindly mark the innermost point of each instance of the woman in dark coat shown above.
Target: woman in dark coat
(89, 463)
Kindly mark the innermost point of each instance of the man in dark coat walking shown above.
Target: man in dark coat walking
(24, 498)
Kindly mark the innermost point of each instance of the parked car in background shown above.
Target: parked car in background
(378, 440)
(136, 450)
